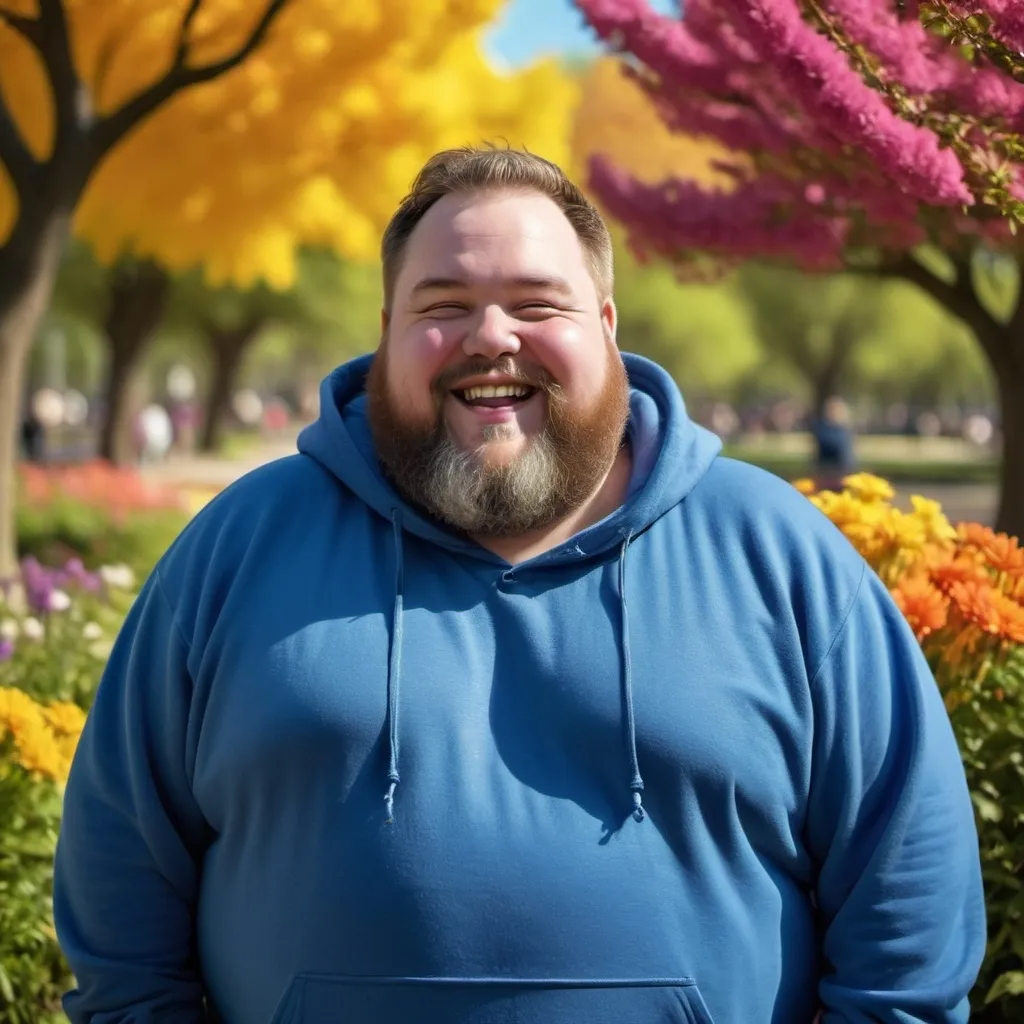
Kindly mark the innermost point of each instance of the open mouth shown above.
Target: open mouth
(494, 396)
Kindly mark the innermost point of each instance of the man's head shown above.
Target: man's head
(498, 398)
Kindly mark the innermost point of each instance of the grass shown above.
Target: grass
(899, 459)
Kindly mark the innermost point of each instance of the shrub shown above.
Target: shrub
(962, 591)
(98, 513)
(56, 629)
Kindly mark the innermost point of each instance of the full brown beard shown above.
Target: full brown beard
(557, 472)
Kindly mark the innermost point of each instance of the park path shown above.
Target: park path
(206, 474)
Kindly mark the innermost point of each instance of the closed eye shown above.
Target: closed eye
(446, 308)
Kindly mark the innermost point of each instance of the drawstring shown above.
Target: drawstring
(636, 782)
(395, 668)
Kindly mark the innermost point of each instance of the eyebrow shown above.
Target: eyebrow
(554, 284)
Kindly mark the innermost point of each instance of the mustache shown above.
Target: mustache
(528, 376)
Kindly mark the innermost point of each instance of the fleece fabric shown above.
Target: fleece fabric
(347, 767)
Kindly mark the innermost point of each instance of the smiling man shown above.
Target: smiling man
(508, 699)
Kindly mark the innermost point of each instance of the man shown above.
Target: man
(507, 700)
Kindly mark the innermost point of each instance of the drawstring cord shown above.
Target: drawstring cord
(636, 782)
(395, 668)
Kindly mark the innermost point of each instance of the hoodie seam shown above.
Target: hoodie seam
(841, 628)
(174, 613)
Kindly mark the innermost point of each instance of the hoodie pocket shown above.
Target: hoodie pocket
(329, 999)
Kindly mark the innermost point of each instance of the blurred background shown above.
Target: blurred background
(223, 260)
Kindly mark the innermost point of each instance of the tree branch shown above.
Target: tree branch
(21, 165)
(181, 53)
(69, 95)
(28, 28)
(111, 129)
(960, 299)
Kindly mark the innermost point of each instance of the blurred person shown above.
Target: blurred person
(508, 699)
(833, 437)
(154, 433)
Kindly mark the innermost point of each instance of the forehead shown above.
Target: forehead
(491, 235)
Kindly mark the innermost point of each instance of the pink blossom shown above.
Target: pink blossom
(1007, 18)
(840, 103)
(926, 63)
(664, 44)
(763, 217)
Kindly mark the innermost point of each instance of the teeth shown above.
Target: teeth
(495, 391)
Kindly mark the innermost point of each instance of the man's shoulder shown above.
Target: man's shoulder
(750, 510)
(746, 492)
(264, 509)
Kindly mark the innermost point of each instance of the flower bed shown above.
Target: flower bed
(962, 591)
(56, 630)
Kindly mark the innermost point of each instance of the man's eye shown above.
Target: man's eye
(446, 307)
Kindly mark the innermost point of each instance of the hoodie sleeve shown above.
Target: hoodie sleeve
(891, 827)
(127, 861)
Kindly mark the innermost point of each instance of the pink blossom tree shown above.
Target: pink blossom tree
(881, 135)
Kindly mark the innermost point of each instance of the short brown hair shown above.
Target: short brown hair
(470, 169)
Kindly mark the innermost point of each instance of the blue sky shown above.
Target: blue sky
(534, 28)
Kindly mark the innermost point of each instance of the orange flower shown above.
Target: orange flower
(974, 534)
(1011, 616)
(1004, 554)
(962, 569)
(923, 605)
(990, 610)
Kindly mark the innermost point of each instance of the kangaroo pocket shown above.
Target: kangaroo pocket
(321, 999)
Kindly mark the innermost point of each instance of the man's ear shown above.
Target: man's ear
(610, 319)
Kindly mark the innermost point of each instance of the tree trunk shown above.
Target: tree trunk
(227, 348)
(28, 268)
(138, 298)
(1010, 516)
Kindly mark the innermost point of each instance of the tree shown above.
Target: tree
(214, 132)
(616, 119)
(813, 326)
(863, 137)
(315, 314)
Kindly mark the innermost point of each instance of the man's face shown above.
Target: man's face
(498, 398)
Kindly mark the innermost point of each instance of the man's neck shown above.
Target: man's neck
(608, 496)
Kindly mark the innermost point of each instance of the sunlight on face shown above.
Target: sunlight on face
(494, 309)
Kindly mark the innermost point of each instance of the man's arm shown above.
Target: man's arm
(891, 826)
(131, 836)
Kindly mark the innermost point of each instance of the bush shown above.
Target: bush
(962, 591)
(56, 630)
(98, 513)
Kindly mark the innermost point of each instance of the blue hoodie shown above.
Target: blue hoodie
(348, 767)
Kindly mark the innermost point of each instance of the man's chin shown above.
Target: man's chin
(492, 454)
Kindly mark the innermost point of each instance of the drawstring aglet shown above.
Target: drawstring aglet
(638, 807)
(389, 802)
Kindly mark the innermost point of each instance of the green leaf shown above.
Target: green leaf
(6, 988)
(1009, 984)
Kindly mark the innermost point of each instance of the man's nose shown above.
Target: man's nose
(493, 336)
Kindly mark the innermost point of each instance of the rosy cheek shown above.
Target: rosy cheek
(562, 348)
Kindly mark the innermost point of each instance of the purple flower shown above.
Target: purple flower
(75, 572)
(39, 584)
(6, 648)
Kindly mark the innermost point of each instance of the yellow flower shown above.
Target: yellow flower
(938, 528)
(804, 485)
(39, 748)
(65, 718)
(869, 487)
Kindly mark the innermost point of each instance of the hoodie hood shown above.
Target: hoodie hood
(670, 454)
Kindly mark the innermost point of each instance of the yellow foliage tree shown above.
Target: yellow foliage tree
(616, 118)
(228, 133)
